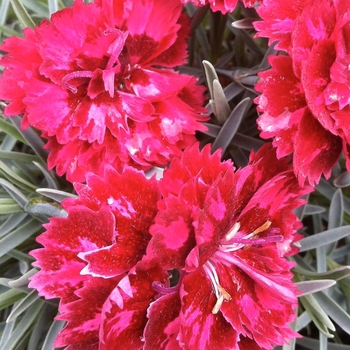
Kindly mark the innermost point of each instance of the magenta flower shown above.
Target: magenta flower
(278, 21)
(291, 124)
(105, 91)
(86, 254)
(224, 6)
(227, 234)
(311, 118)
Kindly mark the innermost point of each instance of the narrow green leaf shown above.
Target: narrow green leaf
(211, 75)
(339, 316)
(23, 305)
(222, 108)
(3, 11)
(23, 280)
(231, 125)
(246, 142)
(22, 14)
(18, 236)
(15, 178)
(336, 274)
(43, 323)
(7, 31)
(7, 209)
(25, 323)
(309, 287)
(324, 238)
(49, 175)
(318, 316)
(20, 256)
(56, 195)
(302, 321)
(9, 129)
(8, 143)
(10, 297)
(6, 333)
(19, 157)
(32, 138)
(52, 334)
(315, 344)
(40, 10)
(335, 217)
(11, 223)
(311, 209)
(14, 192)
(342, 180)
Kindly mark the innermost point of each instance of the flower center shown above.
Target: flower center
(232, 243)
(113, 70)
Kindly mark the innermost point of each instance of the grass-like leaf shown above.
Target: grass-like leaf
(56, 195)
(318, 316)
(10, 297)
(22, 327)
(23, 305)
(309, 287)
(231, 125)
(22, 14)
(323, 238)
(18, 236)
(337, 313)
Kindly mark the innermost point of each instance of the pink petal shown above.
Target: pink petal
(83, 316)
(163, 324)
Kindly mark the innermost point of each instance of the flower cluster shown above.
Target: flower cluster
(192, 260)
(310, 117)
(224, 6)
(198, 258)
(105, 91)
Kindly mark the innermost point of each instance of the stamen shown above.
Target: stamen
(74, 75)
(222, 296)
(263, 227)
(209, 269)
(219, 291)
(235, 228)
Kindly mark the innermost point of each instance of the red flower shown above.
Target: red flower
(278, 21)
(88, 253)
(224, 6)
(313, 120)
(289, 120)
(105, 91)
(226, 233)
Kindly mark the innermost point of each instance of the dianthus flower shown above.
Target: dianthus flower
(87, 253)
(224, 6)
(224, 236)
(316, 77)
(98, 82)
(278, 21)
(287, 118)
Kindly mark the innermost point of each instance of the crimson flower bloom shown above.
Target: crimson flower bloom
(311, 117)
(224, 6)
(289, 121)
(278, 21)
(87, 254)
(105, 91)
(227, 234)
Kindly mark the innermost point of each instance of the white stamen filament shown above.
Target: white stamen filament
(219, 291)
(233, 231)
